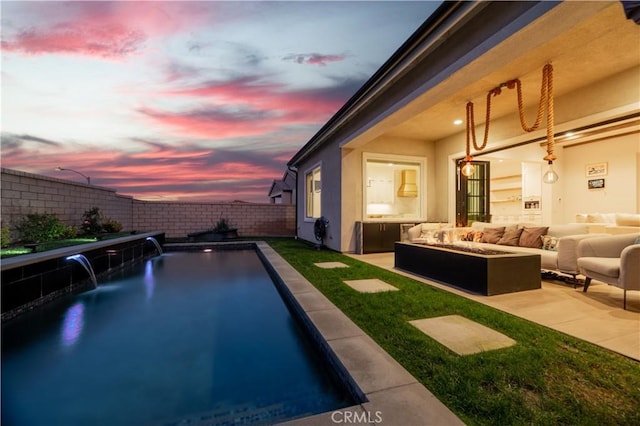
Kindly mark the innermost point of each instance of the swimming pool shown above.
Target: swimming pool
(189, 337)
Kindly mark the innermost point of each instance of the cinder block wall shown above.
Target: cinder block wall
(179, 219)
(24, 193)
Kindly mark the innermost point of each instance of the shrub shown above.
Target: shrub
(222, 225)
(5, 237)
(40, 227)
(111, 225)
(92, 221)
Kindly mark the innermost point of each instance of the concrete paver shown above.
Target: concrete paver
(370, 286)
(461, 335)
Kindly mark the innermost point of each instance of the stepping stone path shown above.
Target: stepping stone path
(331, 265)
(462, 335)
(370, 286)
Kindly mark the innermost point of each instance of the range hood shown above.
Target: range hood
(408, 188)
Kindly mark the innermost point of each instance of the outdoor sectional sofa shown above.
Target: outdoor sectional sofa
(557, 245)
(610, 223)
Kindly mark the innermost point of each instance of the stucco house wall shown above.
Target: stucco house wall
(462, 51)
(328, 159)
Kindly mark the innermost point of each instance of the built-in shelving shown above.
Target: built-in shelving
(515, 200)
(506, 196)
(506, 177)
(506, 188)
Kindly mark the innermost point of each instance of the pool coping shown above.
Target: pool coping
(392, 395)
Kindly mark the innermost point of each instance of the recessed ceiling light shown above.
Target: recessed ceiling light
(457, 122)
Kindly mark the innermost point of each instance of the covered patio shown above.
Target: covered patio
(596, 316)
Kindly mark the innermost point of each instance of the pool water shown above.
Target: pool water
(189, 337)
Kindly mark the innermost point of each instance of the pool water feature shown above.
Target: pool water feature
(84, 262)
(190, 337)
(156, 244)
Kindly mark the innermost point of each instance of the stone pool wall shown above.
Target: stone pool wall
(30, 280)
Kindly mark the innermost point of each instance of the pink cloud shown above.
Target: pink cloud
(109, 30)
(214, 122)
(108, 41)
(247, 107)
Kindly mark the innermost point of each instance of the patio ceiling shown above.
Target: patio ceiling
(584, 45)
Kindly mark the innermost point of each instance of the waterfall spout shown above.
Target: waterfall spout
(84, 262)
(156, 243)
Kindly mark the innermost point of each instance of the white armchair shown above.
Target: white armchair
(613, 260)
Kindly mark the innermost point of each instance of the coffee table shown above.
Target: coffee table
(488, 273)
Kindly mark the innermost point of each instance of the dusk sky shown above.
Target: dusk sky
(190, 101)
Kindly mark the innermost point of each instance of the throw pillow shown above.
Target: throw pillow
(510, 237)
(549, 243)
(466, 236)
(492, 235)
(530, 236)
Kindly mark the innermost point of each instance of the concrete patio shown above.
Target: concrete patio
(596, 316)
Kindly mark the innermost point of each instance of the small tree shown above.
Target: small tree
(92, 221)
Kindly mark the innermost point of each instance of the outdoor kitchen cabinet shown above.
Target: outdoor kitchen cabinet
(379, 237)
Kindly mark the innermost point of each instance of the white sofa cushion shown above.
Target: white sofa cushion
(566, 230)
(627, 219)
(607, 266)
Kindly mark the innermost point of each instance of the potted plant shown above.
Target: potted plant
(220, 231)
(223, 230)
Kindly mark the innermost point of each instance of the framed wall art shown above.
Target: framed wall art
(596, 183)
(596, 169)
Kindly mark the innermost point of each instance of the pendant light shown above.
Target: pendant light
(550, 176)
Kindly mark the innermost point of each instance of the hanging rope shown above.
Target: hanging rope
(546, 100)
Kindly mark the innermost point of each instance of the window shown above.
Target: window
(313, 191)
(393, 186)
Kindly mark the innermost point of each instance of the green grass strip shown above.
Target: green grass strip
(547, 378)
(45, 246)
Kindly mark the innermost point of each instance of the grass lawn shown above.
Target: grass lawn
(18, 250)
(546, 378)
(49, 245)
